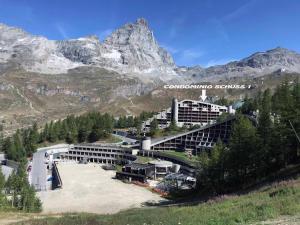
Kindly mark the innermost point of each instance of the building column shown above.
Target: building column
(175, 110)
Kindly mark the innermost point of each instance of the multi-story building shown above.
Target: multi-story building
(195, 140)
(187, 113)
(101, 153)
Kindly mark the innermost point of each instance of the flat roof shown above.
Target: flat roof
(112, 146)
(200, 101)
(138, 165)
(161, 163)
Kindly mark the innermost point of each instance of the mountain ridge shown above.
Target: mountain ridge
(43, 79)
(255, 65)
(130, 49)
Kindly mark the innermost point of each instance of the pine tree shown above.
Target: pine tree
(94, 135)
(63, 131)
(265, 130)
(8, 148)
(34, 133)
(2, 188)
(1, 142)
(153, 127)
(173, 126)
(18, 146)
(82, 135)
(23, 195)
(12, 188)
(52, 134)
(46, 132)
(264, 119)
(138, 125)
(213, 167)
(244, 154)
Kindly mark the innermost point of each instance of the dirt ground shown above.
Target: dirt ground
(283, 220)
(89, 188)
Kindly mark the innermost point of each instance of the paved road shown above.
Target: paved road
(39, 171)
(125, 139)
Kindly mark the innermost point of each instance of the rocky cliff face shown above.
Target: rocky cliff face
(258, 64)
(87, 74)
(134, 45)
(278, 57)
(130, 49)
(33, 53)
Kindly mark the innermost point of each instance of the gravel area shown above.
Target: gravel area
(89, 188)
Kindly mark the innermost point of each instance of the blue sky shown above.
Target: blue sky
(195, 32)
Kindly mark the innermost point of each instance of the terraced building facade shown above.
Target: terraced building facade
(196, 140)
(100, 153)
(187, 113)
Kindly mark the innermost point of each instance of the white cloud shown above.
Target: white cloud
(239, 11)
(176, 26)
(220, 23)
(190, 56)
(215, 62)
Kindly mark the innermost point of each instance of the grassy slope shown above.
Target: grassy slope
(264, 204)
(102, 86)
(182, 155)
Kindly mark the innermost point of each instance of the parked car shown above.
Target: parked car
(29, 168)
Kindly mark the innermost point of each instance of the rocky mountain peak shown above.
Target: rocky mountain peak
(279, 49)
(132, 33)
(92, 38)
(8, 33)
(130, 49)
(257, 64)
(142, 22)
(139, 49)
(274, 57)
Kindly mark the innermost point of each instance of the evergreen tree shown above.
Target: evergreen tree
(30, 139)
(173, 126)
(265, 129)
(212, 168)
(34, 133)
(12, 188)
(264, 118)
(63, 131)
(244, 154)
(1, 142)
(2, 189)
(52, 133)
(18, 146)
(138, 125)
(153, 127)
(23, 196)
(82, 135)
(94, 135)
(44, 134)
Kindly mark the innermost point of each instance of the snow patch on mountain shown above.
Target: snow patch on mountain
(130, 49)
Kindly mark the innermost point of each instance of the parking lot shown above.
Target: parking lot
(89, 188)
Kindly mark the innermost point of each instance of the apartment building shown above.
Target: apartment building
(187, 113)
